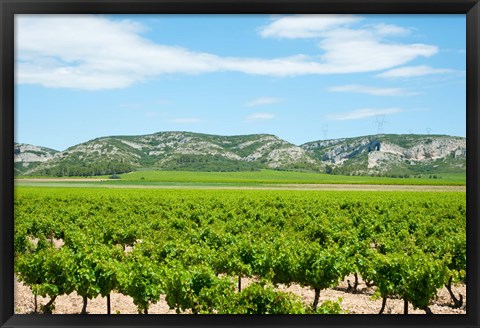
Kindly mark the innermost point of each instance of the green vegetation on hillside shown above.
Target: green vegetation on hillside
(202, 163)
(357, 154)
(195, 152)
(82, 168)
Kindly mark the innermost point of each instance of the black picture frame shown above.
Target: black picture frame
(9, 8)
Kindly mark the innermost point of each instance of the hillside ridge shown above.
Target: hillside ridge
(386, 154)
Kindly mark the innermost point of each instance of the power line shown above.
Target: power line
(325, 131)
(380, 122)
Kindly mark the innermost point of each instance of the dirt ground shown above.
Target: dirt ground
(60, 180)
(355, 303)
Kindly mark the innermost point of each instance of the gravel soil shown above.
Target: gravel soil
(359, 302)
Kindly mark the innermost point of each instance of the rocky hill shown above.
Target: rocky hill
(27, 156)
(177, 151)
(391, 154)
(381, 154)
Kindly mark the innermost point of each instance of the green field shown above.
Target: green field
(272, 177)
(280, 177)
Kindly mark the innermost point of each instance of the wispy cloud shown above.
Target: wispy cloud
(111, 54)
(391, 30)
(414, 71)
(363, 113)
(374, 91)
(263, 101)
(347, 46)
(305, 26)
(152, 114)
(348, 51)
(260, 116)
(186, 120)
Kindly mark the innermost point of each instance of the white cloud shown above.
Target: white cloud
(363, 113)
(348, 51)
(414, 71)
(263, 101)
(305, 26)
(374, 91)
(260, 116)
(186, 120)
(94, 52)
(390, 29)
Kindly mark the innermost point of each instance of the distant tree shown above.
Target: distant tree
(328, 169)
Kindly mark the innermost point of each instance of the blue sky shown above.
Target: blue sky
(300, 77)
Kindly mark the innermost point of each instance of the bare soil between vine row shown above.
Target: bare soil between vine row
(360, 302)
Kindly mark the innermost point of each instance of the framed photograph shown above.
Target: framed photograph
(215, 163)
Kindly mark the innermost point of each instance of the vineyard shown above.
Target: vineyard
(194, 248)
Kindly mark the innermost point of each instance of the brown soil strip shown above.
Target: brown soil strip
(355, 303)
(59, 180)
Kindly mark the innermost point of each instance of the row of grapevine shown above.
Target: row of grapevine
(196, 246)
